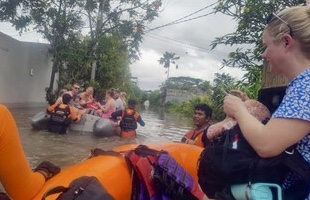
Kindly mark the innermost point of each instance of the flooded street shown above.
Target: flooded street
(65, 150)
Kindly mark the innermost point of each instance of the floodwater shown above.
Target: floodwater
(73, 147)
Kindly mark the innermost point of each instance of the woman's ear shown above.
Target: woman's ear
(288, 41)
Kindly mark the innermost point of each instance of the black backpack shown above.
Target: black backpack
(61, 115)
(128, 121)
(231, 160)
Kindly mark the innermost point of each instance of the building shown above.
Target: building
(25, 70)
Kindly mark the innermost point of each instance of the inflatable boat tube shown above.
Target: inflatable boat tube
(113, 173)
(88, 123)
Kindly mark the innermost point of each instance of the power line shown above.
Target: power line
(165, 39)
(180, 20)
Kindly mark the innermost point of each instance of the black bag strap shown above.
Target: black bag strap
(54, 190)
(100, 152)
(297, 164)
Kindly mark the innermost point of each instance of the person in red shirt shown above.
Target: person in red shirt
(201, 118)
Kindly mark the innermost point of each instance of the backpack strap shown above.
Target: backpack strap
(68, 110)
(100, 152)
(54, 190)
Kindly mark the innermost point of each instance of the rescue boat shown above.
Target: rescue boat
(88, 123)
(113, 173)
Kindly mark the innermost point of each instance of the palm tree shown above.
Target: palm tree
(167, 59)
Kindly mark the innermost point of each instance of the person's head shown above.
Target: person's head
(77, 98)
(75, 88)
(202, 114)
(62, 92)
(132, 103)
(109, 93)
(89, 90)
(66, 98)
(122, 95)
(287, 35)
(116, 93)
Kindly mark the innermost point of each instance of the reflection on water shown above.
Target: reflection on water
(65, 150)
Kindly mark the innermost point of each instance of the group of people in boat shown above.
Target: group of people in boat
(71, 105)
(286, 50)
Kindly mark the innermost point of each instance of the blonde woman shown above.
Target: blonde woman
(286, 39)
(109, 107)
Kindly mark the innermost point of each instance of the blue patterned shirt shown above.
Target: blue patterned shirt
(296, 105)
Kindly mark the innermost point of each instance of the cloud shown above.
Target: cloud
(190, 40)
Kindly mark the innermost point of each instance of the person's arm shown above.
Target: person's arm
(106, 107)
(75, 115)
(184, 138)
(84, 102)
(51, 108)
(187, 138)
(140, 121)
(270, 139)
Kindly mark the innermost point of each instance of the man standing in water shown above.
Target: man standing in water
(129, 119)
(201, 119)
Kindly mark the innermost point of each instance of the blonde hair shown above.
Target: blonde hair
(298, 18)
(123, 94)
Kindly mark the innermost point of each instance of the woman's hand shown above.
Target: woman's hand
(241, 94)
(232, 105)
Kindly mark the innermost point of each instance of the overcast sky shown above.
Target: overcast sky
(189, 39)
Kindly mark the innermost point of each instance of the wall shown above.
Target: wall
(25, 70)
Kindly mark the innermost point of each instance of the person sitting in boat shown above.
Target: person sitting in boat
(201, 118)
(62, 115)
(87, 97)
(74, 90)
(60, 94)
(118, 101)
(109, 107)
(17, 178)
(129, 119)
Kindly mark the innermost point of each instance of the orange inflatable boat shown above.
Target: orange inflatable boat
(113, 172)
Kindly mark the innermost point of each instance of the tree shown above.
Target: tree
(123, 18)
(61, 23)
(250, 16)
(195, 85)
(168, 59)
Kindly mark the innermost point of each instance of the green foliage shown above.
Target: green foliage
(213, 95)
(250, 16)
(187, 83)
(113, 66)
(186, 108)
(155, 97)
